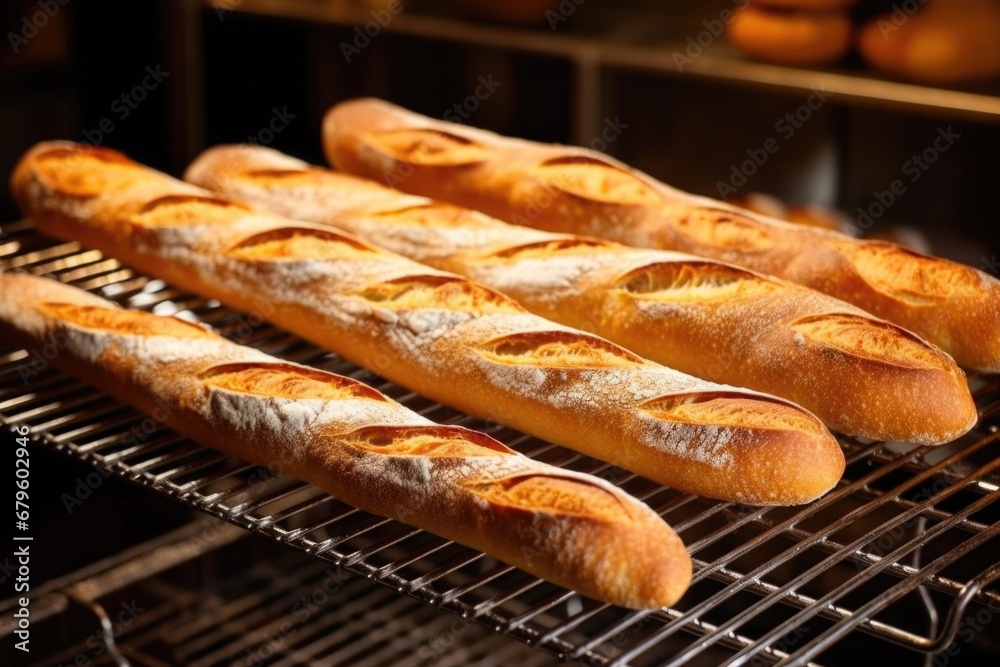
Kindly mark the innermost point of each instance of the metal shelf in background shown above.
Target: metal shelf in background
(627, 49)
(281, 608)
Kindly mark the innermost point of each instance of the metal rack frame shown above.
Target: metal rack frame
(903, 525)
(642, 45)
(197, 610)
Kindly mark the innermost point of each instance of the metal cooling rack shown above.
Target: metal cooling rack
(894, 556)
(221, 599)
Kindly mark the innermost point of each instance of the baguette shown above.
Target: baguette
(362, 447)
(859, 375)
(438, 334)
(566, 189)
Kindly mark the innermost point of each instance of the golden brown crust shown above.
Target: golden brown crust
(362, 447)
(861, 376)
(517, 183)
(429, 331)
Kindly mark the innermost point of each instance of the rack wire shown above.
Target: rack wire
(226, 600)
(900, 553)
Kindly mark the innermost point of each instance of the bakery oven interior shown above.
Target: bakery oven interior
(128, 565)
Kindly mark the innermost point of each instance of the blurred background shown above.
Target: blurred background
(813, 102)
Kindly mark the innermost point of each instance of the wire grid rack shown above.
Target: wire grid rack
(247, 603)
(896, 553)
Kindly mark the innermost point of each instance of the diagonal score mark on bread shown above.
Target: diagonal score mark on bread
(69, 169)
(423, 215)
(115, 320)
(576, 246)
(590, 178)
(558, 350)
(691, 281)
(910, 276)
(428, 148)
(298, 243)
(718, 228)
(286, 381)
(733, 410)
(439, 441)
(287, 176)
(876, 342)
(437, 292)
(180, 210)
(531, 491)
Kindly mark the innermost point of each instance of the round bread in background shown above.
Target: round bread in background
(942, 42)
(791, 37)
